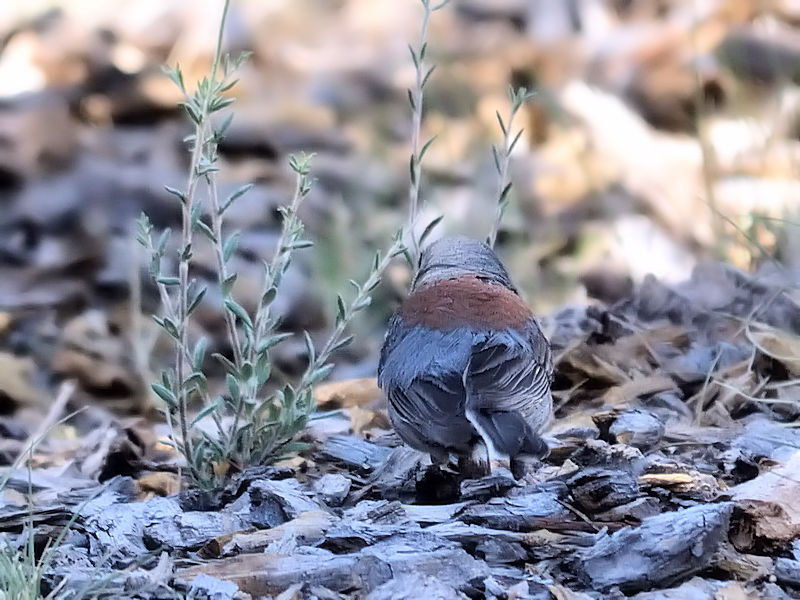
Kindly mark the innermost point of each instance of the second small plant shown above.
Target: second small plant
(249, 424)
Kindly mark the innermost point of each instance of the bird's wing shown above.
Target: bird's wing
(508, 389)
(429, 414)
(421, 371)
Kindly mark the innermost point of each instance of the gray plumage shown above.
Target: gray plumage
(451, 257)
(465, 383)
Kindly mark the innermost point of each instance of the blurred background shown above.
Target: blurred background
(663, 133)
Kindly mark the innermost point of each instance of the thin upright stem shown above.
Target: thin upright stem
(222, 267)
(365, 291)
(183, 296)
(416, 125)
(502, 180)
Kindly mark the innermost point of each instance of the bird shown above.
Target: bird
(465, 366)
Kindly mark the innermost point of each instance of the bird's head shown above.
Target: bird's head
(453, 257)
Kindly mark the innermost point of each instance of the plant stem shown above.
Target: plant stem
(201, 140)
(366, 289)
(222, 267)
(289, 224)
(183, 299)
(416, 125)
(502, 180)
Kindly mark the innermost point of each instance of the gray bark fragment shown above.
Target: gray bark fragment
(514, 513)
(355, 452)
(275, 502)
(332, 488)
(662, 549)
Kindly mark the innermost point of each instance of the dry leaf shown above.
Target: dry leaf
(347, 393)
(780, 345)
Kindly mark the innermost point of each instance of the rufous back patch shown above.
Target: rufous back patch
(465, 302)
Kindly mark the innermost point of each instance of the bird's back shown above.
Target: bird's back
(465, 359)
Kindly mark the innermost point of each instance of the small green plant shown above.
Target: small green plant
(22, 567)
(502, 156)
(22, 571)
(252, 425)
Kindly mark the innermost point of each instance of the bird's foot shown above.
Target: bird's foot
(476, 464)
(525, 466)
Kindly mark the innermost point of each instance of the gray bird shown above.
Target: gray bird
(465, 366)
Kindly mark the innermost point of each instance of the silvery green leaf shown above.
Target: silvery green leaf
(500, 120)
(238, 310)
(413, 56)
(234, 196)
(163, 240)
(505, 191)
(199, 354)
(229, 366)
(165, 394)
(246, 370)
(309, 347)
(496, 156)
(233, 386)
(230, 246)
(427, 76)
(193, 112)
(195, 301)
(263, 369)
(177, 193)
(175, 75)
(271, 341)
(219, 103)
(268, 297)
(514, 141)
(431, 226)
(425, 147)
(320, 374)
(341, 310)
(227, 86)
(170, 327)
(196, 379)
(341, 343)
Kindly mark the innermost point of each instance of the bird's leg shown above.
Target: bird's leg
(441, 461)
(523, 465)
(529, 461)
(476, 464)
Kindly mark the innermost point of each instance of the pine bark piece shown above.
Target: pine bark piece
(355, 452)
(597, 489)
(787, 571)
(497, 483)
(275, 502)
(637, 428)
(768, 508)
(420, 555)
(308, 528)
(515, 513)
(410, 587)
(694, 589)
(396, 477)
(332, 488)
(664, 548)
